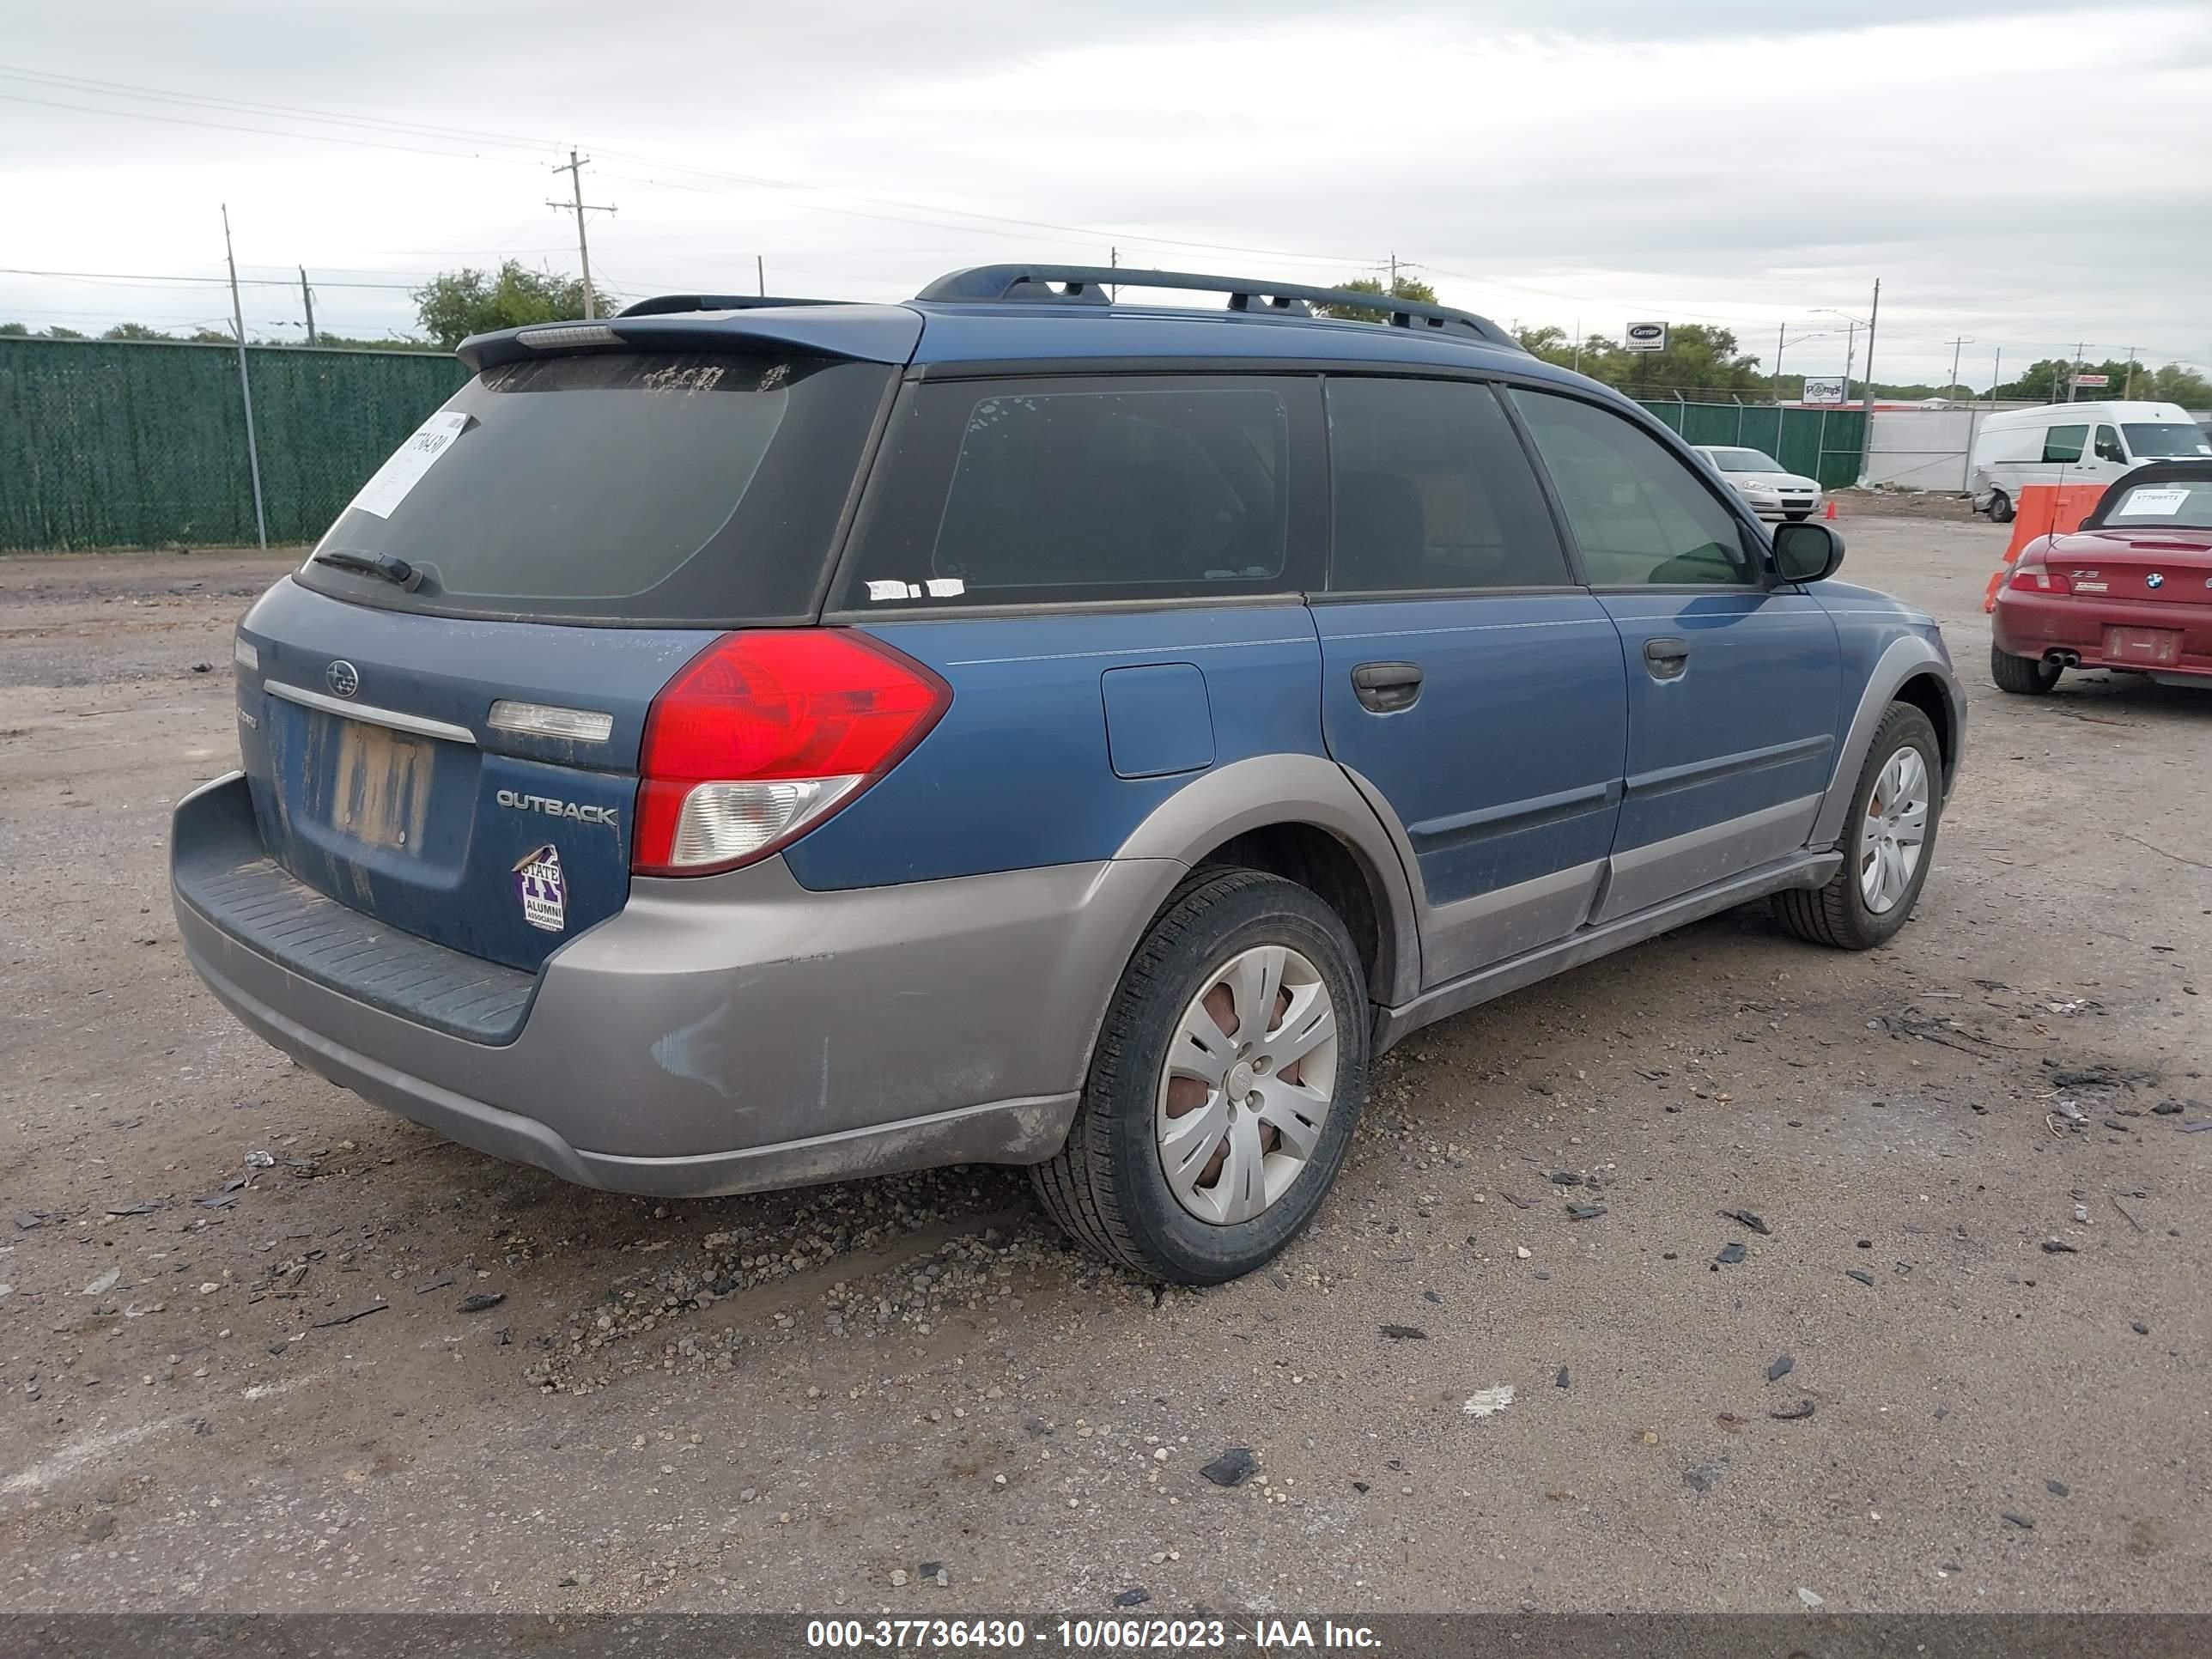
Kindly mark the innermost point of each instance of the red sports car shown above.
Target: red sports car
(2129, 591)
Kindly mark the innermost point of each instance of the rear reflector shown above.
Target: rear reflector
(765, 734)
(539, 720)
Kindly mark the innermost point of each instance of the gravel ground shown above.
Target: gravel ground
(263, 1347)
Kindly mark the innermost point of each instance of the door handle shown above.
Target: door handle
(1385, 688)
(1666, 658)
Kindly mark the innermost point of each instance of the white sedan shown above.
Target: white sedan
(1766, 487)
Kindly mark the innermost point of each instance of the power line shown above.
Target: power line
(220, 282)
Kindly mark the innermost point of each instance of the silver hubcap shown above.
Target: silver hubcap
(1247, 1087)
(1895, 833)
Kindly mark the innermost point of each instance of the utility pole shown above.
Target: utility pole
(1963, 340)
(760, 274)
(1996, 376)
(2131, 390)
(574, 166)
(308, 299)
(1578, 345)
(244, 384)
(1866, 432)
(1114, 263)
(2076, 375)
(1393, 289)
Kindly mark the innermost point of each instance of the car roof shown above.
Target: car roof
(1005, 314)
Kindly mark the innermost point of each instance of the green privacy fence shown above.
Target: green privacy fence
(1817, 443)
(140, 444)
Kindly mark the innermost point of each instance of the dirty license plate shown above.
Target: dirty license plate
(2155, 647)
(380, 785)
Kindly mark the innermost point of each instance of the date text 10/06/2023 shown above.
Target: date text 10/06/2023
(985, 1636)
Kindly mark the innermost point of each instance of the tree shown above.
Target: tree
(1698, 358)
(135, 331)
(16, 331)
(460, 303)
(1406, 288)
(58, 333)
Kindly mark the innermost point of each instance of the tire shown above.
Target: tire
(1840, 914)
(1108, 1187)
(2000, 508)
(2025, 676)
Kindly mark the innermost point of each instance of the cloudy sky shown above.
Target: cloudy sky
(2025, 175)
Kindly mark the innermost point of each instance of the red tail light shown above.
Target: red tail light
(2041, 579)
(764, 735)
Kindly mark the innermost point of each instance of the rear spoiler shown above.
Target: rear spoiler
(862, 333)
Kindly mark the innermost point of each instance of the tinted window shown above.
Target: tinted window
(2108, 445)
(1638, 514)
(633, 487)
(1036, 491)
(2063, 443)
(1429, 488)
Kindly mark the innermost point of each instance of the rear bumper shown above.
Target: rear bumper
(2030, 625)
(729, 1034)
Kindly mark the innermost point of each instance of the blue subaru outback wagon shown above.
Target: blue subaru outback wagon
(745, 743)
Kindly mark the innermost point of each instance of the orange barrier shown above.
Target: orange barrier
(2042, 510)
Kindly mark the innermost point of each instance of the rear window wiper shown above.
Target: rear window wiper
(392, 569)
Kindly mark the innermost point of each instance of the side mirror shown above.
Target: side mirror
(1807, 552)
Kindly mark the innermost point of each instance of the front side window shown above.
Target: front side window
(1430, 489)
(1037, 491)
(2108, 446)
(2064, 443)
(1640, 516)
(2159, 440)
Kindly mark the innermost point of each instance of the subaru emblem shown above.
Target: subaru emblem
(2155, 579)
(345, 678)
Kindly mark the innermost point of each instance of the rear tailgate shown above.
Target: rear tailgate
(400, 799)
(441, 712)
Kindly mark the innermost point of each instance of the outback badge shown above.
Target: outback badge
(543, 889)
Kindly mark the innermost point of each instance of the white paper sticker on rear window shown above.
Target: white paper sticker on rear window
(2149, 500)
(409, 463)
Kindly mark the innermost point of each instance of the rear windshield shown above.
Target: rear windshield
(2164, 439)
(2165, 504)
(692, 489)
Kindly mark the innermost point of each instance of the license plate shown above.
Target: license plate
(2157, 646)
(380, 786)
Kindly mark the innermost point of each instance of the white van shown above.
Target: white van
(2076, 444)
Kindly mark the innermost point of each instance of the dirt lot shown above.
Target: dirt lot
(240, 1372)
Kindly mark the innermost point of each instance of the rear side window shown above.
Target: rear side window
(1430, 489)
(1640, 516)
(1053, 490)
(632, 487)
(2063, 443)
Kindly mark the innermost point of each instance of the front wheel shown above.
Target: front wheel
(2025, 676)
(1229, 1074)
(1889, 838)
(2000, 508)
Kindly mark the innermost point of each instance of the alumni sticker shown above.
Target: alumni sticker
(541, 889)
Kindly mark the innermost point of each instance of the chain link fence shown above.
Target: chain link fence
(1825, 444)
(142, 444)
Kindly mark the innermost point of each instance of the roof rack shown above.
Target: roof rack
(665, 303)
(1087, 284)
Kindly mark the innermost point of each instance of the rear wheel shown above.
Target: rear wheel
(1228, 1076)
(2027, 676)
(1889, 837)
(2000, 508)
